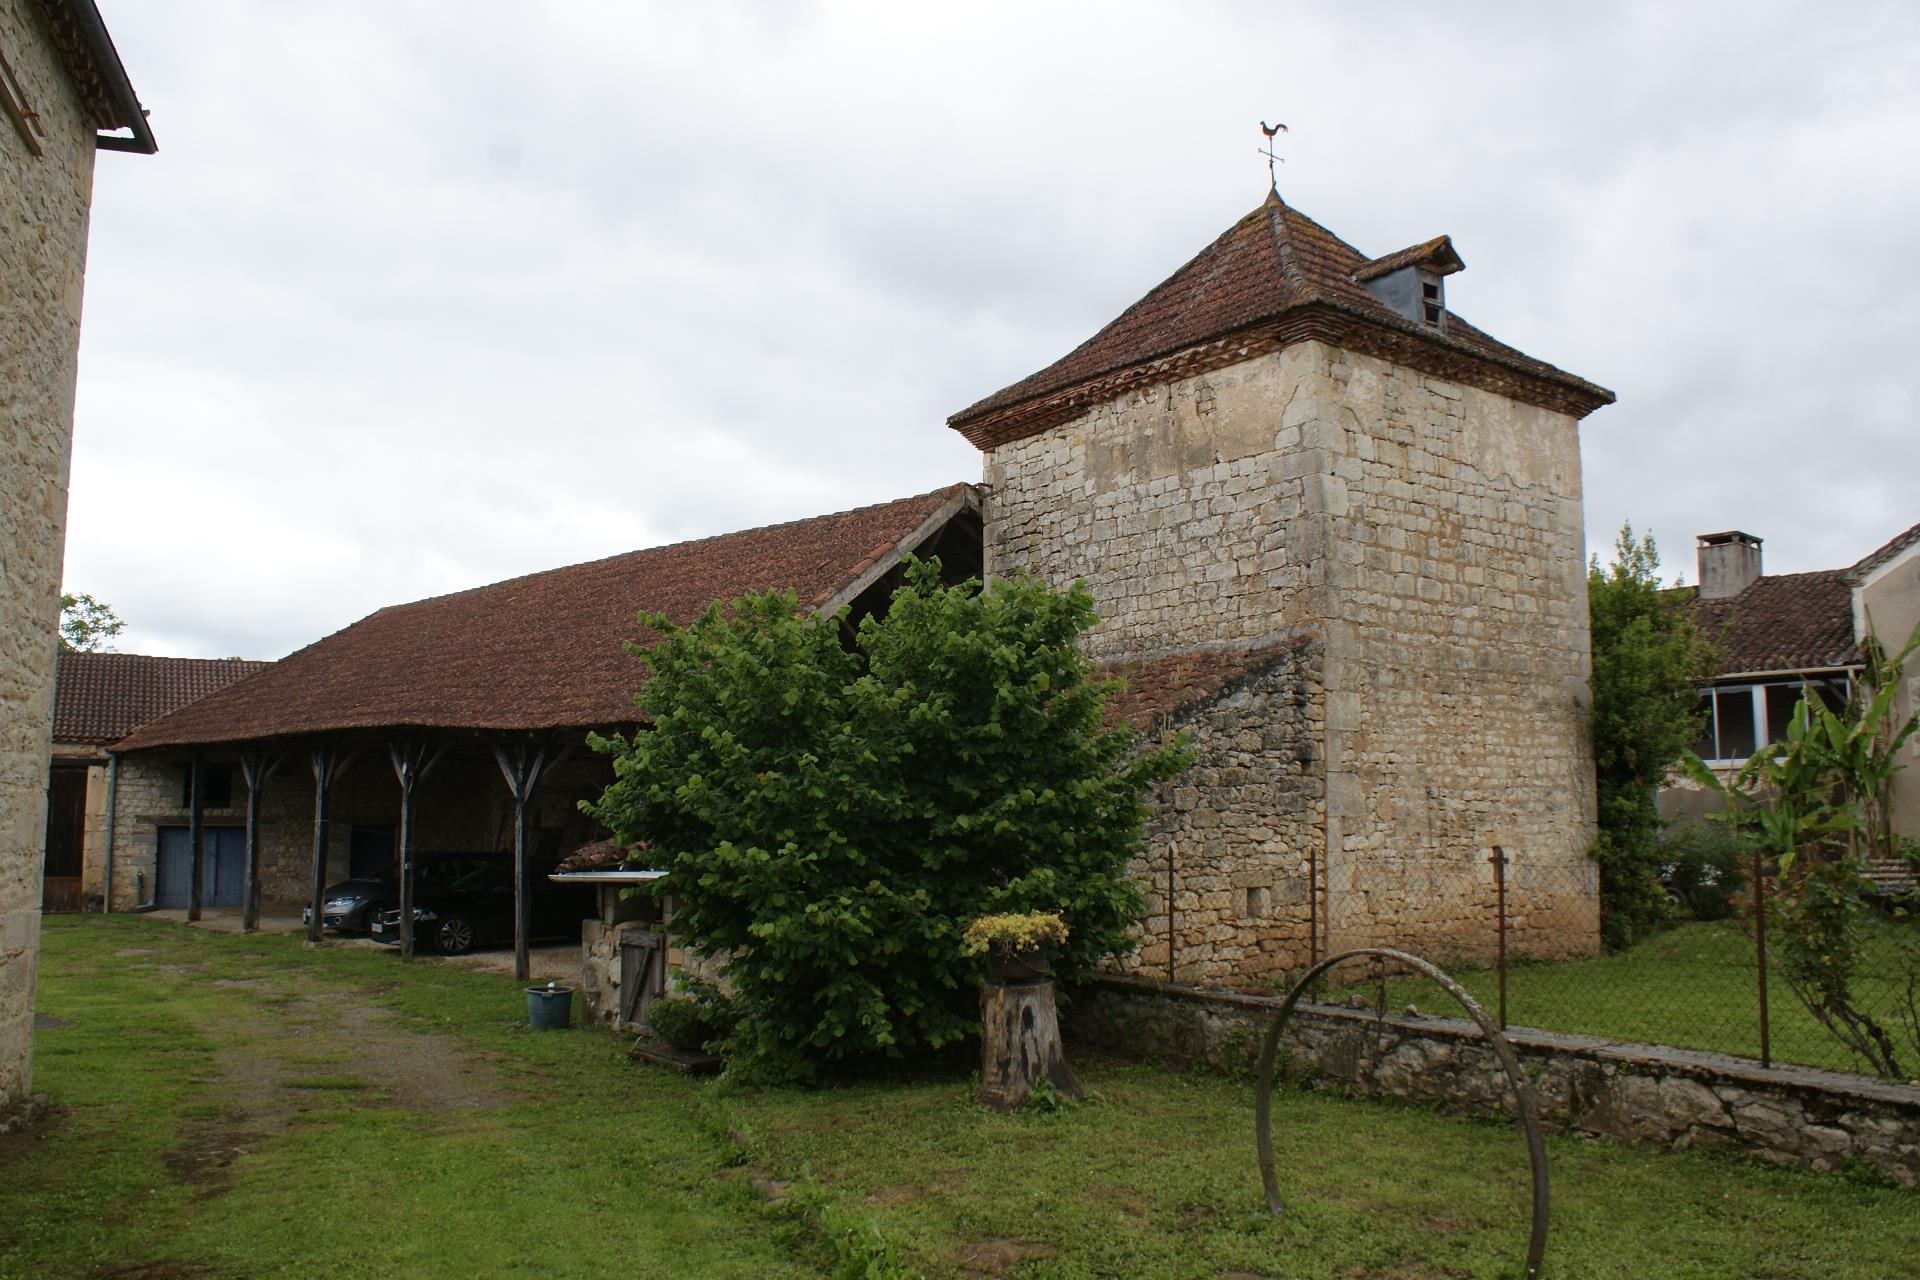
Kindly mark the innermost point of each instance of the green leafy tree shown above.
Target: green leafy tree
(88, 625)
(831, 818)
(1814, 802)
(1649, 662)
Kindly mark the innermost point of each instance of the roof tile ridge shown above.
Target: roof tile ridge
(1885, 551)
(98, 657)
(1299, 288)
(1798, 575)
(665, 547)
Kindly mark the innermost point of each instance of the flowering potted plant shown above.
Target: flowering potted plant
(1017, 944)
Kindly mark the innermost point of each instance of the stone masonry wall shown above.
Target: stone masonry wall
(1194, 532)
(1458, 665)
(1179, 506)
(43, 249)
(1431, 532)
(1239, 828)
(1630, 1093)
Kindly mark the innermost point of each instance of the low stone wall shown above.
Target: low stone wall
(1632, 1093)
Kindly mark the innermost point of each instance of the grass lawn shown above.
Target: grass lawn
(1692, 986)
(240, 1107)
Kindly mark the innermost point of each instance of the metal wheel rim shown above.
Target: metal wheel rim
(1524, 1102)
(455, 936)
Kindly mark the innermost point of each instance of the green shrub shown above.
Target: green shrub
(1649, 661)
(687, 1023)
(837, 815)
(1706, 867)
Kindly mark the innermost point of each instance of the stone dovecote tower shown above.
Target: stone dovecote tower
(1334, 531)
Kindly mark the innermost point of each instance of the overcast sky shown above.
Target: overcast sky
(419, 296)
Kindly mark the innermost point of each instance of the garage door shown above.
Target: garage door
(223, 864)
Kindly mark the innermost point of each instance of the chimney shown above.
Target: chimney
(1729, 563)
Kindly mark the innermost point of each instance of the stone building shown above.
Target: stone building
(63, 94)
(1784, 634)
(1334, 531)
(100, 698)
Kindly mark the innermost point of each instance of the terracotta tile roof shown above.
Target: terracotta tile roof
(102, 697)
(1783, 622)
(1166, 686)
(1438, 251)
(1275, 262)
(1875, 559)
(543, 651)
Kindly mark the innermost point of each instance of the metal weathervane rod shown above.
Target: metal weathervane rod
(1272, 131)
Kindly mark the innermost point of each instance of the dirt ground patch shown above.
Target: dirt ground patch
(205, 1162)
(994, 1257)
(351, 1055)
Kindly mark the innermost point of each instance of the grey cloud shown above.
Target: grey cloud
(406, 305)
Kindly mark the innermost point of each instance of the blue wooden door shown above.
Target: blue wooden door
(176, 866)
(225, 866)
(222, 866)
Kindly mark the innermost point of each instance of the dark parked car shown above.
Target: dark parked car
(351, 906)
(455, 916)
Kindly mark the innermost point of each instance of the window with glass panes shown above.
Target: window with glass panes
(1742, 718)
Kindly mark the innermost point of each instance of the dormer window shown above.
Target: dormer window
(1433, 300)
(1412, 282)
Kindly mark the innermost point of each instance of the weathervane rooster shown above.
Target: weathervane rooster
(1272, 131)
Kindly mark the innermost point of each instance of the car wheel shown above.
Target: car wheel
(453, 936)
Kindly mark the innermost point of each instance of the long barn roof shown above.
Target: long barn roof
(544, 651)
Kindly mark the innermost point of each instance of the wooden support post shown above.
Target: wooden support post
(522, 765)
(1020, 1044)
(328, 764)
(196, 838)
(256, 767)
(412, 761)
(521, 768)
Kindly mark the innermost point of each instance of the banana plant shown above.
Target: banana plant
(1810, 801)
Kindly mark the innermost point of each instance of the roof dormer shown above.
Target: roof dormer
(1412, 281)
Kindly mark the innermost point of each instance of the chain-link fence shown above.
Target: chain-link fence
(1726, 972)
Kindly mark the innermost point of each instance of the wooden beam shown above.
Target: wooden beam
(256, 767)
(412, 761)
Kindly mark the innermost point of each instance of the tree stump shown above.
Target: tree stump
(1020, 1044)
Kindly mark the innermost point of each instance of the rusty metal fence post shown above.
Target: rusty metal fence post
(1499, 861)
(1760, 949)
